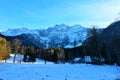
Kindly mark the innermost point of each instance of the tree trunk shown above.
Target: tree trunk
(14, 57)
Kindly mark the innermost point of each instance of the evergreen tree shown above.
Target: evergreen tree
(25, 58)
(54, 56)
(32, 54)
(94, 46)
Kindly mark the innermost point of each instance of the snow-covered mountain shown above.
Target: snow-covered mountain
(57, 36)
(19, 31)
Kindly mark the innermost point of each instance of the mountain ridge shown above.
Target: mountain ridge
(57, 36)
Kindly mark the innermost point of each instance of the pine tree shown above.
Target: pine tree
(54, 56)
(32, 54)
(94, 46)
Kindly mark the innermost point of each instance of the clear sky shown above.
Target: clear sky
(35, 14)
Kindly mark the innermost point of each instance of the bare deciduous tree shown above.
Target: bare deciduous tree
(4, 49)
(17, 44)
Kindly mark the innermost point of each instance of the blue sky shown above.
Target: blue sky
(35, 14)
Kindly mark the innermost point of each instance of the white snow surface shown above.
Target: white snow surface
(34, 71)
(19, 59)
(9, 71)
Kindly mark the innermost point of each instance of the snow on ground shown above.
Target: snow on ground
(51, 71)
(19, 58)
(9, 71)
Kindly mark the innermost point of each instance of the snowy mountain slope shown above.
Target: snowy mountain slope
(58, 72)
(19, 31)
(57, 36)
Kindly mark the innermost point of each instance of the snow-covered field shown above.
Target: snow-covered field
(51, 71)
(9, 71)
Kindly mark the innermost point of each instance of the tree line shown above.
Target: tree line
(102, 51)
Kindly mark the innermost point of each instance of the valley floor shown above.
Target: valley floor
(10, 71)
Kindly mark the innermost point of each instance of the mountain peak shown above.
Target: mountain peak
(15, 32)
(60, 25)
(54, 36)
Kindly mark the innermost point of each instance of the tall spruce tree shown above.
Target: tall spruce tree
(94, 46)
